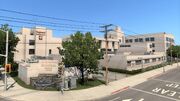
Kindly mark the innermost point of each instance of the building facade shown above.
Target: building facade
(38, 41)
(160, 41)
(140, 51)
(114, 38)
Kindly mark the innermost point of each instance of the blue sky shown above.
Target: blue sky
(139, 16)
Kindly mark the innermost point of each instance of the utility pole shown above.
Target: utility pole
(171, 52)
(106, 30)
(177, 60)
(6, 61)
(164, 59)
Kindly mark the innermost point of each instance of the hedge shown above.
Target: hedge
(133, 72)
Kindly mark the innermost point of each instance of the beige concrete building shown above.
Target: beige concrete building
(129, 61)
(38, 41)
(160, 41)
(115, 38)
(37, 53)
(140, 51)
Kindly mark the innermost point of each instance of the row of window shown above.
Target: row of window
(125, 45)
(139, 62)
(32, 51)
(140, 40)
(169, 39)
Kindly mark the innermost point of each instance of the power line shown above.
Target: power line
(46, 22)
(48, 17)
(64, 30)
(33, 23)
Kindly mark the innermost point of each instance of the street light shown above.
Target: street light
(6, 56)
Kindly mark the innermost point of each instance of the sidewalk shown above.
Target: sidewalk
(22, 94)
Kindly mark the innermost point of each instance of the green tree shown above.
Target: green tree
(13, 40)
(175, 51)
(81, 51)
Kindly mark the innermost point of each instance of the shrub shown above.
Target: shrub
(133, 72)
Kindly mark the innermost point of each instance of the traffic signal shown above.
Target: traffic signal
(8, 68)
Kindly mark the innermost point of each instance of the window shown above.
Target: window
(102, 50)
(150, 45)
(130, 40)
(138, 62)
(127, 41)
(128, 63)
(147, 60)
(31, 33)
(50, 51)
(113, 44)
(31, 42)
(31, 51)
(154, 60)
(147, 39)
(153, 44)
(167, 44)
(167, 39)
(125, 45)
(40, 37)
(153, 50)
(136, 40)
(140, 39)
(152, 39)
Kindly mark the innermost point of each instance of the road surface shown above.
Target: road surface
(165, 87)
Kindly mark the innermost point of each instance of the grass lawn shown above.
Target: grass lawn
(89, 84)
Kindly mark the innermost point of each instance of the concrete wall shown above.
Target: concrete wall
(120, 61)
(135, 48)
(28, 70)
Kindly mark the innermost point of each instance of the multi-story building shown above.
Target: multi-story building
(160, 41)
(114, 38)
(141, 50)
(37, 41)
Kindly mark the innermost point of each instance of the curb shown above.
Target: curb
(120, 90)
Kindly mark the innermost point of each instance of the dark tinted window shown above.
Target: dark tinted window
(140, 39)
(153, 45)
(31, 42)
(136, 40)
(152, 39)
(31, 51)
(147, 39)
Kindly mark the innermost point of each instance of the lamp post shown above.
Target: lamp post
(6, 56)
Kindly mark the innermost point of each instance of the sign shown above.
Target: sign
(8, 68)
(40, 33)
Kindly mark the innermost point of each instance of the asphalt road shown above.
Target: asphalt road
(165, 87)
